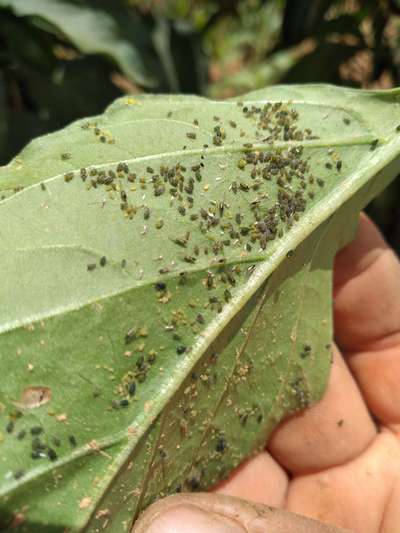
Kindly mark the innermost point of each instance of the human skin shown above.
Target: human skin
(337, 462)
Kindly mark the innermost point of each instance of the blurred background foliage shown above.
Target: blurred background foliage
(64, 59)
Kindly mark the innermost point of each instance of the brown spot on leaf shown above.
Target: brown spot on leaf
(85, 502)
(33, 397)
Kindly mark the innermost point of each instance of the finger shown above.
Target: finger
(206, 513)
(355, 495)
(333, 431)
(367, 319)
(367, 292)
(390, 522)
(267, 479)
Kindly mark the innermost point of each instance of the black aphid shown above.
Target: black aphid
(21, 434)
(36, 430)
(103, 261)
(374, 144)
(130, 336)
(181, 349)
(221, 444)
(72, 441)
(51, 454)
(18, 474)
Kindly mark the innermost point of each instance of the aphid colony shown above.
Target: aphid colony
(265, 194)
(43, 446)
(177, 325)
(245, 223)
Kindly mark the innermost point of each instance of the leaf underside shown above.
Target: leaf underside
(166, 291)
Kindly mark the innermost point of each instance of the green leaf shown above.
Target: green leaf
(164, 308)
(91, 30)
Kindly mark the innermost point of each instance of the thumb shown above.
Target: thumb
(216, 513)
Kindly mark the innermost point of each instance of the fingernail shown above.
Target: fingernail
(182, 519)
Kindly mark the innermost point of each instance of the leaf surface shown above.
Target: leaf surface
(166, 294)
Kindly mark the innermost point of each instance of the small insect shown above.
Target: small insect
(328, 165)
(191, 135)
(374, 144)
(159, 190)
(320, 182)
(124, 403)
(36, 430)
(51, 454)
(181, 349)
(123, 263)
(159, 223)
(182, 278)
(146, 213)
(347, 121)
(68, 177)
(189, 259)
(132, 388)
(66, 156)
(91, 266)
(181, 210)
(339, 165)
(56, 441)
(21, 434)
(152, 357)
(130, 335)
(18, 474)
(124, 196)
(160, 286)
(103, 261)
(398, 128)
(232, 124)
(210, 280)
(221, 444)
(43, 186)
(149, 170)
(72, 441)
(180, 241)
(241, 164)
(10, 426)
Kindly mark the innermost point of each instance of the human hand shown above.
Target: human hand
(338, 461)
